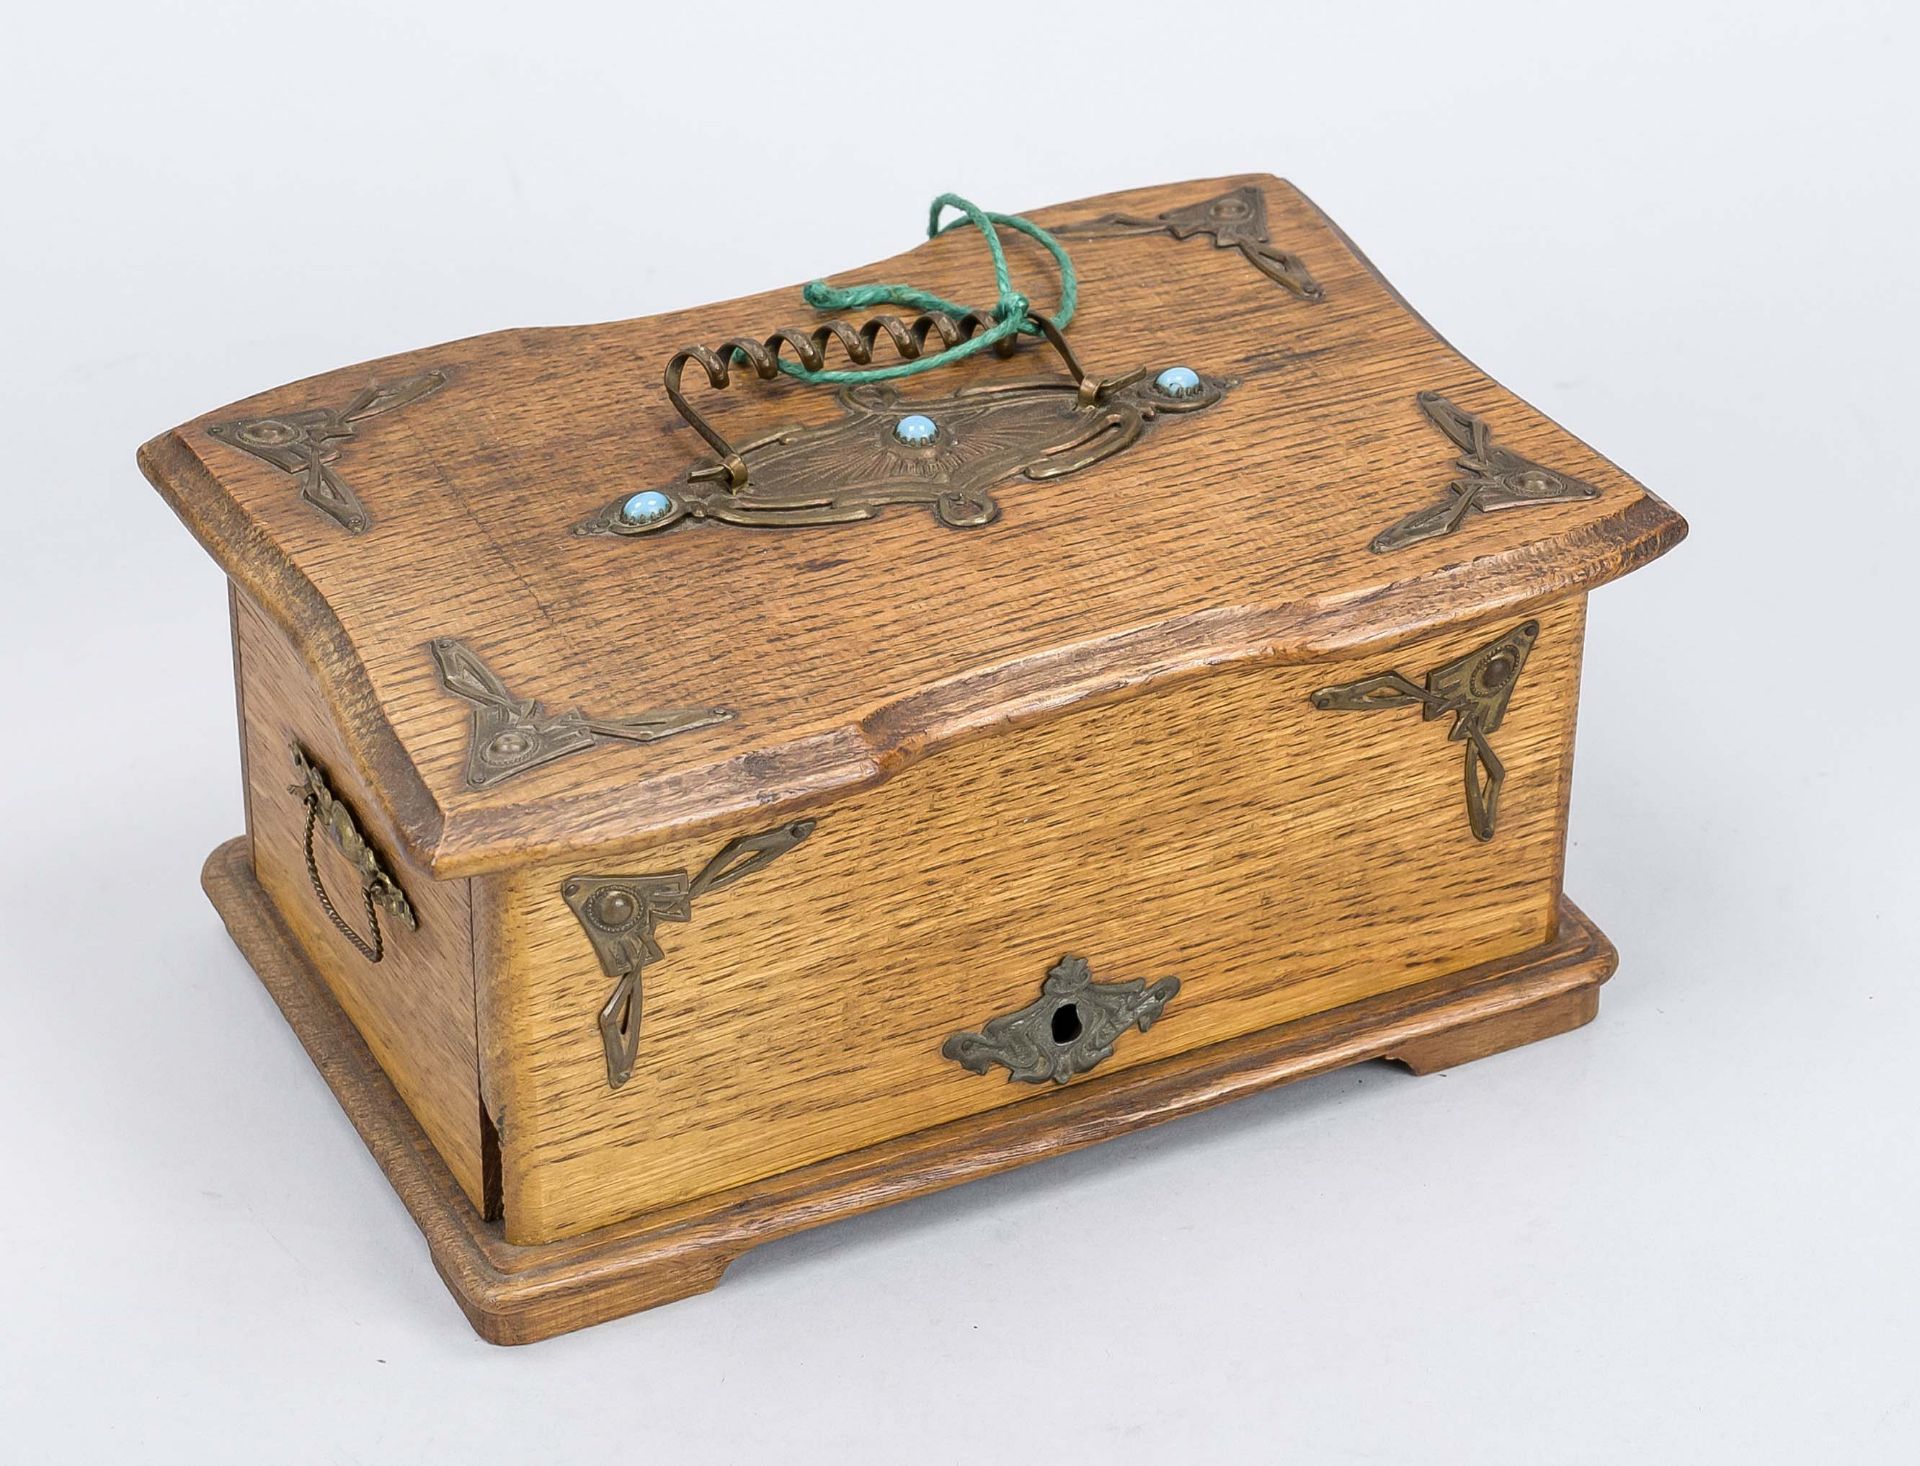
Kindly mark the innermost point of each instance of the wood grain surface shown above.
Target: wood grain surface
(516, 1295)
(1277, 858)
(1237, 536)
(415, 1008)
(1085, 728)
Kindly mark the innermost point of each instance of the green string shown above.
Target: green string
(1012, 312)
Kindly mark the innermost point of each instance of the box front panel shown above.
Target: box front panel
(415, 1006)
(1277, 857)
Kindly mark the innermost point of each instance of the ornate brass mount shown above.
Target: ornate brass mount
(1068, 1029)
(619, 914)
(1475, 689)
(1236, 220)
(851, 469)
(945, 453)
(1491, 478)
(307, 443)
(512, 735)
(378, 889)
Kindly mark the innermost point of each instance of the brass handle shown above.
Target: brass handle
(910, 341)
(1069, 1028)
(373, 951)
(378, 888)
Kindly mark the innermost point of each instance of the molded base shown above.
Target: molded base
(515, 1295)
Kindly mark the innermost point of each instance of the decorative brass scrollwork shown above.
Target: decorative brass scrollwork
(1236, 220)
(378, 889)
(1068, 1029)
(1490, 479)
(306, 443)
(512, 735)
(619, 914)
(974, 438)
(1475, 689)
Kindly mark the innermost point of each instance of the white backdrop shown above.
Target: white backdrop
(1682, 1234)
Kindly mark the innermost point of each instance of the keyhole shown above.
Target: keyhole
(1066, 1023)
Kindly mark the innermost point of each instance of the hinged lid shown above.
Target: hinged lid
(1325, 475)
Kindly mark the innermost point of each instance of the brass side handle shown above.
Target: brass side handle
(378, 889)
(1072, 1026)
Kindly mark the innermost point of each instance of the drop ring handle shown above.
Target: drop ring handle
(378, 888)
(376, 949)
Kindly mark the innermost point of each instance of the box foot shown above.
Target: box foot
(1465, 1042)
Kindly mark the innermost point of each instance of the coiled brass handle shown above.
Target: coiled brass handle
(809, 349)
(378, 888)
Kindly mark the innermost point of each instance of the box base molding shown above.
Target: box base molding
(516, 1295)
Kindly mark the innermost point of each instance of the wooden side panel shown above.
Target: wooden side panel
(1280, 860)
(415, 1009)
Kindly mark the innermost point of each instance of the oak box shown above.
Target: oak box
(675, 818)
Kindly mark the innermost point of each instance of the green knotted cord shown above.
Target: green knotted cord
(1012, 312)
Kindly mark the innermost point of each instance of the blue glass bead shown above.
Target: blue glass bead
(645, 507)
(916, 430)
(1179, 382)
